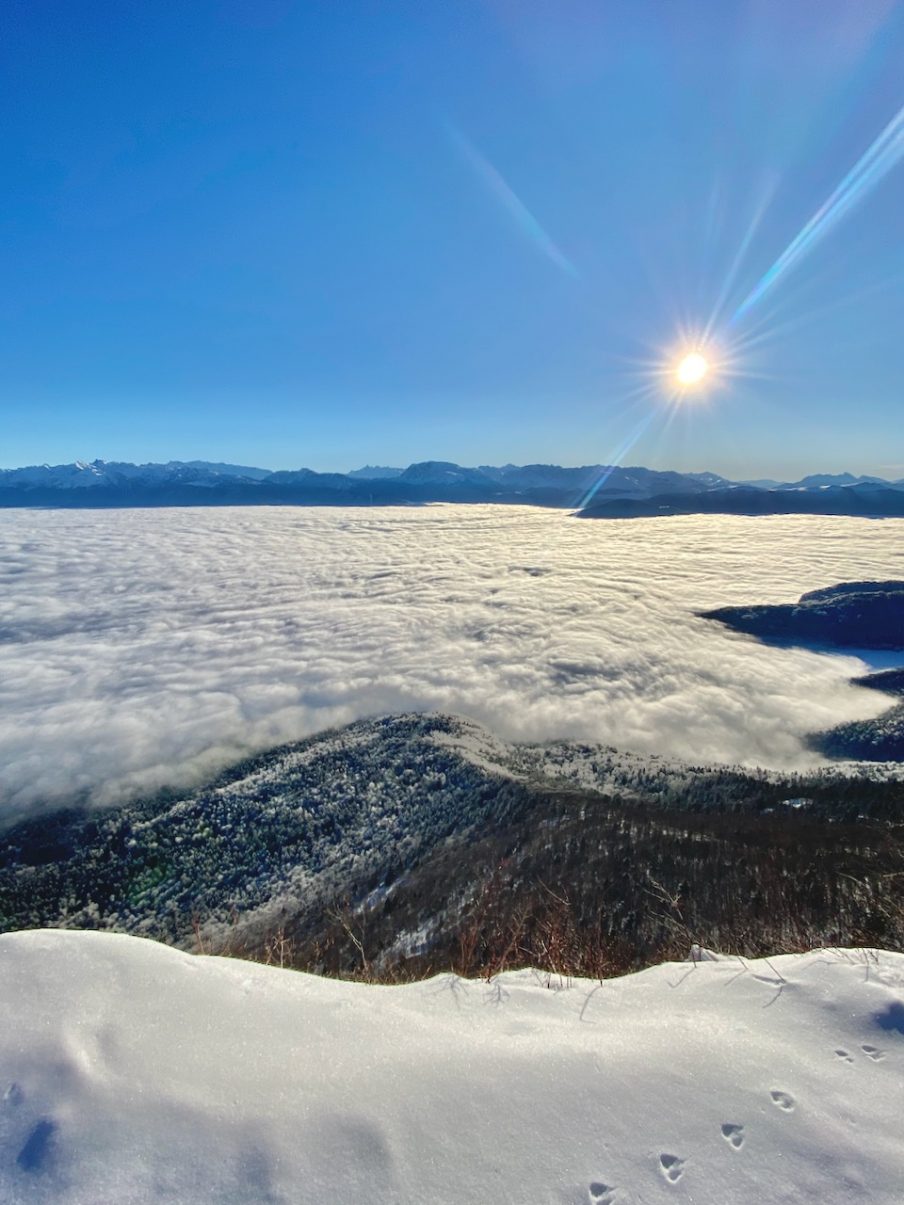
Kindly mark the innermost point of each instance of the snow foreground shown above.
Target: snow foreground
(132, 1072)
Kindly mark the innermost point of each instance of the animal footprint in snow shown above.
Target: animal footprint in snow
(733, 1135)
(844, 1056)
(672, 1167)
(873, 1053)
(601, 1194)
(783, 1101)
(13, 1095)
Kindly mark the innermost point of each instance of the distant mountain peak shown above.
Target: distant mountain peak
(375, 472)
(822, 480)
(600, 489)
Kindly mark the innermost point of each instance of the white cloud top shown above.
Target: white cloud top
(142, 648)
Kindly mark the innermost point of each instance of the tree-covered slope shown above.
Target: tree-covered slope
(416, 842)
(851, 614)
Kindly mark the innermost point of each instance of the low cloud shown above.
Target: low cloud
(151, 647)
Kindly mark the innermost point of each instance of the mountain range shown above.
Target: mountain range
(594, 490)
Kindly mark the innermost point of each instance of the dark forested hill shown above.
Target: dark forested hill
(871, 502)
(868, 615)
(853, 615)
(415, 842)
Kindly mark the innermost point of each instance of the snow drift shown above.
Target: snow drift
(132, 1072)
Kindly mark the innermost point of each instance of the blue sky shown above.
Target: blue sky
(329, 233)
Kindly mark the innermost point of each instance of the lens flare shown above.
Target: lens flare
(885, 153)
(505, 195)
(691, 369)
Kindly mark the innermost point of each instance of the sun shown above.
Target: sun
(691, 369)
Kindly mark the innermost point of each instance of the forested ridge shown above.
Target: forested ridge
(412, 843)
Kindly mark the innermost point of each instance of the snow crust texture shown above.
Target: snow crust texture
(131, 1072)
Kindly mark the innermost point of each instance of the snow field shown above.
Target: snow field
(131, 1072)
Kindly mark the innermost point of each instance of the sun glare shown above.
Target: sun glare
(691, 369)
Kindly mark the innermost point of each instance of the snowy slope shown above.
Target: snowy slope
(131, 1072)
(98, 473)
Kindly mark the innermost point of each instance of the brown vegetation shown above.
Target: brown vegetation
(590, 887)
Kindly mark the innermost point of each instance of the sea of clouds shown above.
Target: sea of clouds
(143, 648)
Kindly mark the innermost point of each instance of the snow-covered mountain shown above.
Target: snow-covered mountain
(132, 1072)
(117, 483)
(816, 481)
(443, 472)
(227, 470)
(307, 477)
(611, 489)
(376, 472)
(610, 479)
(98, 473)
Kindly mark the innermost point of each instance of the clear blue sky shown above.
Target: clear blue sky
(326, 233)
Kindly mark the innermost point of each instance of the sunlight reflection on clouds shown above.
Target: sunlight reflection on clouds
(150, 647)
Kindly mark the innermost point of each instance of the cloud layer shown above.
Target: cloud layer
(150, 647)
